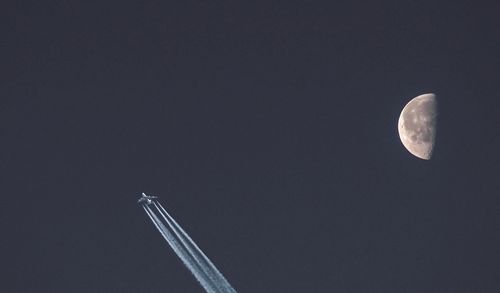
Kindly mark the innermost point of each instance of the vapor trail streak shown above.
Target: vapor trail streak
(178, 249)
(181, 252)
(188, 246)
(206, 265)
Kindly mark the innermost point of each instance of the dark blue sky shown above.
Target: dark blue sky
(269, 132)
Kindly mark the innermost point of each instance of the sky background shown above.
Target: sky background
(269, 130)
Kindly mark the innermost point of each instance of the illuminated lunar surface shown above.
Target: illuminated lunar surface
(417, 125)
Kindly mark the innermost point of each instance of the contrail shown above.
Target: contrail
(186, 245)
(207, 266)
(190, 254)
(190, 246)
(181, 252)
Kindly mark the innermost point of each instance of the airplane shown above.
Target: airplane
(146, 199)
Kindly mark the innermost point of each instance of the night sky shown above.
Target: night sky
(269, 131)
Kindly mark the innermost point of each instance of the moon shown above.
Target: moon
(417, 125)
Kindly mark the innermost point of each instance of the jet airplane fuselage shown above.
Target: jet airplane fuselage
(146, 199)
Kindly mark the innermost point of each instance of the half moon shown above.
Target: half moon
(417, 125)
